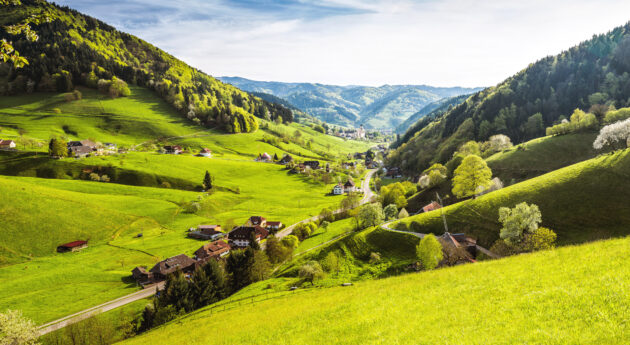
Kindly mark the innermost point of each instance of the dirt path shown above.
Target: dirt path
(84, 314)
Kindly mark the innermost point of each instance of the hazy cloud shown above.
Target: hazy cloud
(446, 42)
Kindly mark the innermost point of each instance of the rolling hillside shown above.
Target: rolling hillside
(594, 73)
(533, 298)
(432, 111)
(383, 107)
(582, 202)
(75, 49)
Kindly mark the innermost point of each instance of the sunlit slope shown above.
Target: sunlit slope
(573, 295)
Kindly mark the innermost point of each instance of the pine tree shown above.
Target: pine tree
(207, 181)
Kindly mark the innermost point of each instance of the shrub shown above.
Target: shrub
(375, 257)
(390, 212)
(331, 262)
(429, 252)
(311, 271)
(521, 219)
(615, 135)
(56, 110)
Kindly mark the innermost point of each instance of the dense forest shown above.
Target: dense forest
(596, 73)
(75, 49)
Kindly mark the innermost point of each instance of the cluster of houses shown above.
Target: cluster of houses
(178, 150)
(256, 228)
(85, 148)
(358, 133)
(6, 144)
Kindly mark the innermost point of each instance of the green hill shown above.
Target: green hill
(534, 298)
(596, 72)
(75, 49)
(428, 113)
(582, 202)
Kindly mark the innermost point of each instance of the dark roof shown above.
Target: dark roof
(286, 159)
(170, 265)
(208, 227)
(6, 142)
(74, 244)
(81, 149)
(350, 183)
(256, 220)
(243, 232)
(274, 223)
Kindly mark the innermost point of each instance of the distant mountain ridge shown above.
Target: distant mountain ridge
(383, 107)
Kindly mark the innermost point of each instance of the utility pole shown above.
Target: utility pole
(442, 210)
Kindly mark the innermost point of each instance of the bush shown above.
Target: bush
(429, 252)
(56, 110)
(311, 271)
(520, 220)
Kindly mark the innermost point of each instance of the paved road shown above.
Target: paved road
(385, 226)
(84, 314)
(367, 195)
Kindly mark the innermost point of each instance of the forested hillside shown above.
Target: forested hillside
(386, 106)
(75, 49)
(591, 76)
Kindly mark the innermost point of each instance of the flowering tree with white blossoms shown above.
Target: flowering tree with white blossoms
(613, 135)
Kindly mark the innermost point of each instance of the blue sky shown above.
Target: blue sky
(371, 42)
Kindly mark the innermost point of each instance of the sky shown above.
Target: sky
(370, 42)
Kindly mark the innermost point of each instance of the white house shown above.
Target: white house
(205, 153)
(338, 189)
(7, 144)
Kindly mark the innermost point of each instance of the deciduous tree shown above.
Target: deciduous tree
(429, 252)
(470, 176)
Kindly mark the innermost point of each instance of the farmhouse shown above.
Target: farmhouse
(432, 206)
(207, 232)
(286, 159)
(72, 246)
(180, 262)
(338, 189)
(141, 275)
(256, 220)
(312, 164)
(241, 235)
(80, 151)
(7, 144)
(349, 186)
(205, 152)
(273, 226)
(461, 241)
(265, 157)
(393, 172)
(213, 250)
(173, 149)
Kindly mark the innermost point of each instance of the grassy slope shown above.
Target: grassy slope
(138, 118)
(42, 213)
(397, 251)
(535, 299)
(582, 202)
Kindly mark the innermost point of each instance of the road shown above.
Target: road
(385, 226)
(84, 314)
(150, 291)
(367, 196)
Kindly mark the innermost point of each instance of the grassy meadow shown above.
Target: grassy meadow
(46, 203)
(541, 298)
(582, 202)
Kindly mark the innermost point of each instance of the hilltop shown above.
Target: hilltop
(381, 107)
(592, 74)
(545, 299)
(76, 49)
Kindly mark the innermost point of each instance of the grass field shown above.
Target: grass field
(353, 252)
(582, 202)
(39, 213)
(143, 117)
(321, 236)
(542, 155)
(528, 299)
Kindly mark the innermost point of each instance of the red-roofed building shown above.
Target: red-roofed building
(215, 250)
(431, 207)
(72, 246)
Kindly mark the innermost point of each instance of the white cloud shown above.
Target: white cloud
(447, 42)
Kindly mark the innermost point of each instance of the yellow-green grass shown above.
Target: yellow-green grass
(582, 202)
(571, 295)
(353, 252)
(143, 117)
(322, 235)
(542, 155)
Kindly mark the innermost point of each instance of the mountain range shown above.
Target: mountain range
(383, 107)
